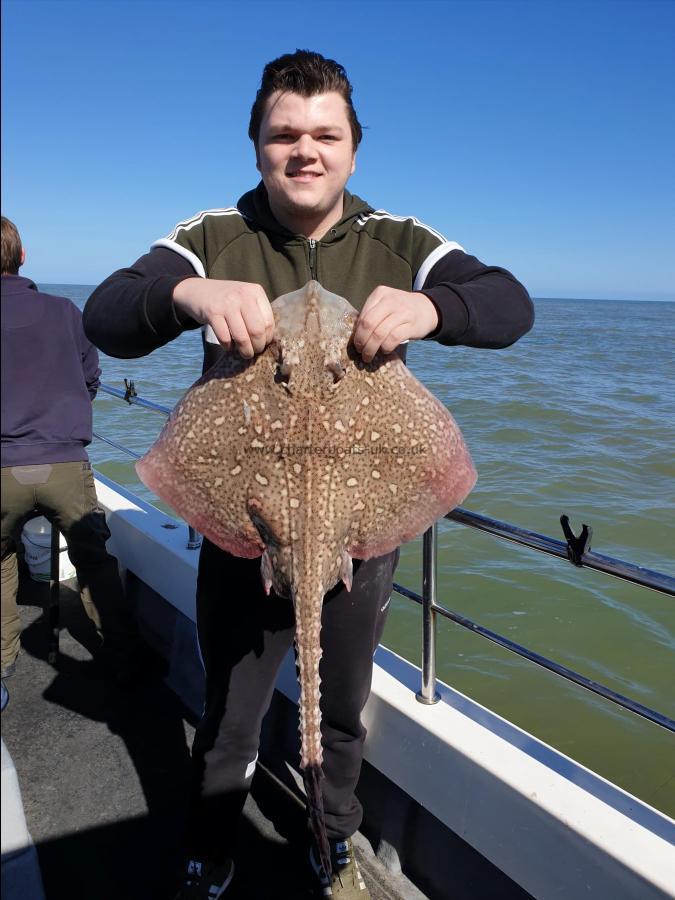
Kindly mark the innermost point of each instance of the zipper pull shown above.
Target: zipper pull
(312, 258)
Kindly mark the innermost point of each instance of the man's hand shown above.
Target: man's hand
(238, 312)
(389, 317)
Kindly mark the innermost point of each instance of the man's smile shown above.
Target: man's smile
(303, 176)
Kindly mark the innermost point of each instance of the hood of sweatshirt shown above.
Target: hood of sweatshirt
(255, 206)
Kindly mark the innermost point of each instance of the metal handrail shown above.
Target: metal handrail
(429, 695)
(116, 445)
(194, 540)
(581, 557)
(133, 399)
(657, 581)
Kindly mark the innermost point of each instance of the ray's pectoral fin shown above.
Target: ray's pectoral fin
(193, 485)
(205, 462)
(398, 510)
(409, 470)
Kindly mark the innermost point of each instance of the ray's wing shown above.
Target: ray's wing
(213, 453)
(407, 463)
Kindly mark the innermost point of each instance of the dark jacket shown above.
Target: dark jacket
(50, 375)
(132, 313)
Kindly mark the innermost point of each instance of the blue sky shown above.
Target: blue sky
(540, 135)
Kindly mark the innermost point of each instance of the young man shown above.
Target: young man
(220, 270)
(50, 375)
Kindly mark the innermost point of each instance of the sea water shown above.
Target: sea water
(578, 418)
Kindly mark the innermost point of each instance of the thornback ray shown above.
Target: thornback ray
(308, 457)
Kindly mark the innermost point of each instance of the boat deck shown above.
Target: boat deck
(104, 773)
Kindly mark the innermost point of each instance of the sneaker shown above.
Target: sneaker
(346, 881)
(205, 880)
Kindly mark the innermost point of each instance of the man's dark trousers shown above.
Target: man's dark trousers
(244, 635)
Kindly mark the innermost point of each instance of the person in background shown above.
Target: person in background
(220, 269)
(50, 376)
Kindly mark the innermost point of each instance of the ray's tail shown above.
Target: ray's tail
(308, 657)
(312, 777)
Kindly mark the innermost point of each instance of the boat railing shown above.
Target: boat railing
(575, 549)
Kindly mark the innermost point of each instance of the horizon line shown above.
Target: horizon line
(534, 297)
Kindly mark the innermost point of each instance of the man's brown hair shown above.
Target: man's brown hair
(11, 248)
(305, 73)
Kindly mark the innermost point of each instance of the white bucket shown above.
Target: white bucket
(37, 541)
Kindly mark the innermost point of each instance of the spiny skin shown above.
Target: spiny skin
(310, 457)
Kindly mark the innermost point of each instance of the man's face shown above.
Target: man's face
(305, 156)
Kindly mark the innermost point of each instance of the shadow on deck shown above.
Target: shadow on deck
(104, 777)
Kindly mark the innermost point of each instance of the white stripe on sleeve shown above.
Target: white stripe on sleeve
(191, 257)
(380, 214)
(199, 218)
(431, 261)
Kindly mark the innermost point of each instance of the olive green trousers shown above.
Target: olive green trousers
(65, 494)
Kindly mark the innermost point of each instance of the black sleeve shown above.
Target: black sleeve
(132, 313)
(478, 305)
